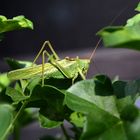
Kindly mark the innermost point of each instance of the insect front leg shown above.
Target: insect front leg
(50, 58)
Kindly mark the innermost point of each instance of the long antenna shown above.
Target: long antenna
(100, 39)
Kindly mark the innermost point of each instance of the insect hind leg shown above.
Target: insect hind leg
(46, 44)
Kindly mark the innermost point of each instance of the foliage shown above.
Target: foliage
(97, 108)
(6, 118)
(16, 23)
(127, 36)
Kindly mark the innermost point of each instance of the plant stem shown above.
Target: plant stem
(16, 132)
(65, 132)
(14, 120)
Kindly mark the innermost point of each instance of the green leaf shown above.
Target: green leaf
(31, 85)
(127, 36)
(83, 97)
(133, 129)
(133, 88)
(4, 81)
(17, 64)
(123, 89)
(6, 117)
(117, 132)
(23, 84)
(119, 88)
(50, 101)
(47, 123)
(127, 109)
(78, 104)
(16, 23)
(124, 38)
(123, 103)
(138, 7)
(129, 113)
(61, 84)
(77, 119)
(105, 115)
(103, 85)
(133, 21)
(17, 96)
(101, 125)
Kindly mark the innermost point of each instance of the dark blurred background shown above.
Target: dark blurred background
(68, 24)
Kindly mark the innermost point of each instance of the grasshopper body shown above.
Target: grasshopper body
(55, 68)
(72, 66)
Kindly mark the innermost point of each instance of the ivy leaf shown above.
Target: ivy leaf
(129, 113)
(119, 88)
(47, 123)
(101, 125)
(50, 101)
(127, 36)
(61, 84)
(15, 23)
(17, 96)
(77, 118)
(123, 102)
(133, 129)
(17, 64)
(4, 81)
(132, 88)
(138, 7)
(133, 21)
(103, 85)
(6, 118)
(83, 97)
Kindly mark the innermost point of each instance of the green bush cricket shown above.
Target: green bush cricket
(55, 68)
